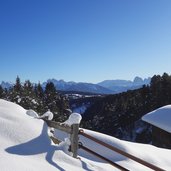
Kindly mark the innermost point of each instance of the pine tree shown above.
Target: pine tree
(17, 86)
(50, 89)
(39, 93)
(28, 87)
(50, 99)
(16, 92)
(55, 102)
(28, 96)
(1, 92)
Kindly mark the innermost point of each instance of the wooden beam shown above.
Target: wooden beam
(59, 126)
(74, 139)
(104, 158)
(73, 131)
(143, 162)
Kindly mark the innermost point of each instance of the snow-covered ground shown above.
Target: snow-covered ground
(25, 146)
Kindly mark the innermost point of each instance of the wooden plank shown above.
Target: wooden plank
(74, 139)
(104, 158)
(59, 126)
(73, 131)
(55, 140)
(151, 166)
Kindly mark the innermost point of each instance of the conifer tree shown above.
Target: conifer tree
(28, 87)
(55, 102)
(39, 93)
(28, 96)
(16, 92)
(1, 92)
(51, 97)
(17, 86)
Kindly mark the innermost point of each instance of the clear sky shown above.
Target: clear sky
(84, 40)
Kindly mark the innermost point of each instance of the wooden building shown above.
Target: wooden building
(160, 120)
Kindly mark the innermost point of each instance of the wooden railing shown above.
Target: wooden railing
(74, 131)
(147, 164)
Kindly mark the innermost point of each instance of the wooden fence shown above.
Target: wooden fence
(74, 131)
(147, 164)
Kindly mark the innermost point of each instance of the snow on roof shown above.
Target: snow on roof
(160, 118)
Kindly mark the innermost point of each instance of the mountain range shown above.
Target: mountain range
(6, 84)
(119, 86)
(104, 87)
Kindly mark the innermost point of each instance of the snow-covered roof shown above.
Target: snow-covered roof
(160, 118)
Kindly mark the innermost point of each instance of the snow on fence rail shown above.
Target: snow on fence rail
(73, 129)
(149, 165)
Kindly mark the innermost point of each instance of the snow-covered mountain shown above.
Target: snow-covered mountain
(60, 84)
(124, 85)
(6, 84)
(81, 87)
(25, 145)
(104, 87)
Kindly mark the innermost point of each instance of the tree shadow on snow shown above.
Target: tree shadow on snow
(39, 145)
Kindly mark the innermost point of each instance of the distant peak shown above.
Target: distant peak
(138, 80)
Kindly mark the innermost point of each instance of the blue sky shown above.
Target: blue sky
(84, 40)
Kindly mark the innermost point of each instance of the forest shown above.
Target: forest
(118, 115)
(33, 96)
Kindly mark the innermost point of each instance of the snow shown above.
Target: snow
(74, 118)
(25, 146)
(32, 113)
(160, 118)
(48, 115)
(34, 101)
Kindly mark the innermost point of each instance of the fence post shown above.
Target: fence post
(74, 139)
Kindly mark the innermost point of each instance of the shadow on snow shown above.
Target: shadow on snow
(39, 145)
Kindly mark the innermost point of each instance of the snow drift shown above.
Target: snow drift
(25, 145)
(160, 118)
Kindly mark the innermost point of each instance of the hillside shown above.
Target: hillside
(120, 115)
(25, 145)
